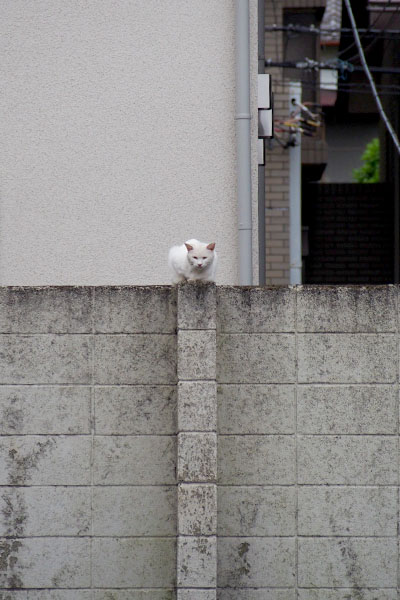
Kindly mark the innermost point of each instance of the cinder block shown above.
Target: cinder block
(256, 562)
(45, 310)
(132, 359)
(197, 509)
(133, 594)
(44, 409)
(44, 359)
(252, 594)
(45, 460)
(256, 358)
(197, 562)
(47, 595)
(196, 355)
(196, 594)
(347, 309)
(110, 594)
(370, 409)
(45, 511)
(134, 511)
(197, 457)
(129, 562)
(45, 562)
(249, 408)
(255, 310)
(347, 358)
(135, 309)
(345, 594)
(357, 511)
(197, 406)
(258, 511)
(348, 562)
(256, 459)
(148, 409)
(362, 460)
(197, 305)
(132, 460)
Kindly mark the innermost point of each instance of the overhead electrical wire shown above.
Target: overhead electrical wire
(345, 65)
(375, 94)
(351, 88)
(308, 64)
(377, 36)
(366, 49)
(297, 28)
(389, 33)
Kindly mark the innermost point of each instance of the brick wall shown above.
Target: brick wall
(276, 163)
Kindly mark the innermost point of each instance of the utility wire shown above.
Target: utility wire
(350, 88)
(339, 65)
(317, 31)
(377, 37)
(370, 78)
(352, 85)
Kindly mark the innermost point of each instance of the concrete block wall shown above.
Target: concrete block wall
(308, 403)
(199, 443)
(87, 447)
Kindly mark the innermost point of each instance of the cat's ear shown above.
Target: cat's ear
(188, 247)
(211, 246)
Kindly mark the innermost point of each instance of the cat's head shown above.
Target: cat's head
(200, 255)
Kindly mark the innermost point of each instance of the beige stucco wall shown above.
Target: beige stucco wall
(118, 138)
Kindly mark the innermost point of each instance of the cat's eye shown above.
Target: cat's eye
(195, 257)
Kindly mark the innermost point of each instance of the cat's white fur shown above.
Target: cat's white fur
(193, 260)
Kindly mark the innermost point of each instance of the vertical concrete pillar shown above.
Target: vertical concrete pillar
(197, 443)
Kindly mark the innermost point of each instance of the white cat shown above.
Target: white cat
(193, 260)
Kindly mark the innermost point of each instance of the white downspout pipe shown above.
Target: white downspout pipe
(243, 137)
(261, 168)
